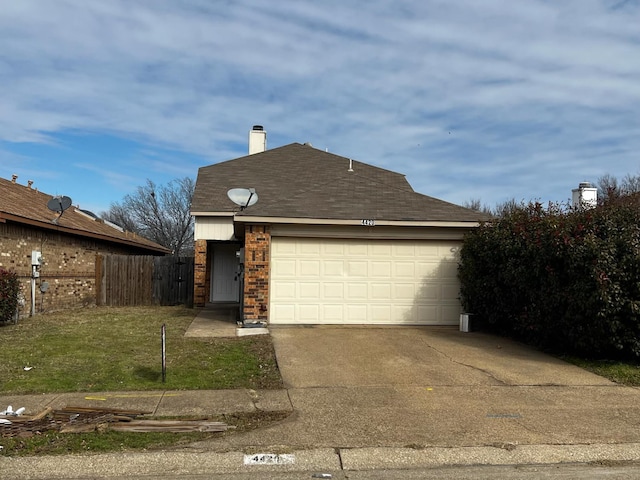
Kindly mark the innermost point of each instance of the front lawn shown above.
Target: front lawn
(113, 349)
(625, 373)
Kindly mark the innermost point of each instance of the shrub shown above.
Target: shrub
(9, 288)
(564, 280)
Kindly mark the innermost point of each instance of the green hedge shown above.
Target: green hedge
(9, 288)
(567, 281)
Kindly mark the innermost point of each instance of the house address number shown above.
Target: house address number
(368, 223)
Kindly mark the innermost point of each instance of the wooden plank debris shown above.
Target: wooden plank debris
(89, 419)
(173, 426)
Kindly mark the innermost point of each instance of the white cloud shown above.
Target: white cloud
(506, 98)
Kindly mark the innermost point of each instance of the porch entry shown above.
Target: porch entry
(225, 279)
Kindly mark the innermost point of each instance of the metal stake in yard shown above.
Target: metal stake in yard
(163, 332)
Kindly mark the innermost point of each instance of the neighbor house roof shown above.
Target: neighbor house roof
(299, 181)
(26, 205)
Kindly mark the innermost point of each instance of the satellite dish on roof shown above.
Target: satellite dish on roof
(244, 197)
(58, 204)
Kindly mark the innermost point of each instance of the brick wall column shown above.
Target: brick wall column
(200, 280)
(257, 254)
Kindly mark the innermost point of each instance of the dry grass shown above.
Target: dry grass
(107, 349)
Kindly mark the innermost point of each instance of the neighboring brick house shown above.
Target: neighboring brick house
(68, 245)
(330, 240)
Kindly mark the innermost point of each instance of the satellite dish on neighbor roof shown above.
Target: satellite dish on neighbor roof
(244, 197)
(58, 204)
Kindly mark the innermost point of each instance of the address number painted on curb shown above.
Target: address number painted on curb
(368, 223)
(269, 459)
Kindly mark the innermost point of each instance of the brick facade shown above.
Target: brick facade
(68, 265)
(256, 272)
(201, 274)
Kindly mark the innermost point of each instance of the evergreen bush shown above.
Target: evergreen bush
(566, 280)
(9, 289)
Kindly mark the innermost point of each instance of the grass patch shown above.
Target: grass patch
(54, 443)
(115, 349)
(625, 373)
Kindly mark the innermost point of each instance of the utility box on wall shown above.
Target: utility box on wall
(36, 258)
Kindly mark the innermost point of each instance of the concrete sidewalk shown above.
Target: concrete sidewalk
(159, 403)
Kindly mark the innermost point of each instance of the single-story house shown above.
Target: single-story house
(53, 253)
(330, 240)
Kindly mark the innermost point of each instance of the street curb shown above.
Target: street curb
(326, 460)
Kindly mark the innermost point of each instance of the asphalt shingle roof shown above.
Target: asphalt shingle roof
(299, 181)
(27, 205)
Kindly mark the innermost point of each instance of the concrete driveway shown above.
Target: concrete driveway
(427, 356)
(437, 387)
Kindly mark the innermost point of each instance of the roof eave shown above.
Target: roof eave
(83, 233)
(360, 222)
(213, 214)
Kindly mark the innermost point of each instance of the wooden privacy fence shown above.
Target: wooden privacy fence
(128, 280)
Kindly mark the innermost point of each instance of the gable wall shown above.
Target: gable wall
(68, 265)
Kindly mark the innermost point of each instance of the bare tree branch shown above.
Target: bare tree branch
(159, 213)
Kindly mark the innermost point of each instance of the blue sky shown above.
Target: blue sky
(491, 99)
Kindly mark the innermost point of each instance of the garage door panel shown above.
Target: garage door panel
(357, 249)
(380, 269)
(428, 251)
(404, 269)
(309, 291)
(284, 313)
(309, 268)
(335, 248)
(380, 291)
(284, 291)
(448, 270)
(427, 269)
(283, 248)
(340, 281)
(333, 268)
(380, 314)
(380, 250)
(404, 250)
(285, 268)
(357, 291)
(427, 314)
(428, 292)
(308, 249)
(356, 314)
(357, 269)
(447, 252)
(309, 313)
(333, 313)
(404, 314)
(333, 290)
(450, 292)
(404, 291)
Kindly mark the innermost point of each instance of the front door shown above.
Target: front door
(224, 274)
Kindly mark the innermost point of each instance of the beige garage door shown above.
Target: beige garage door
(337, 281)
